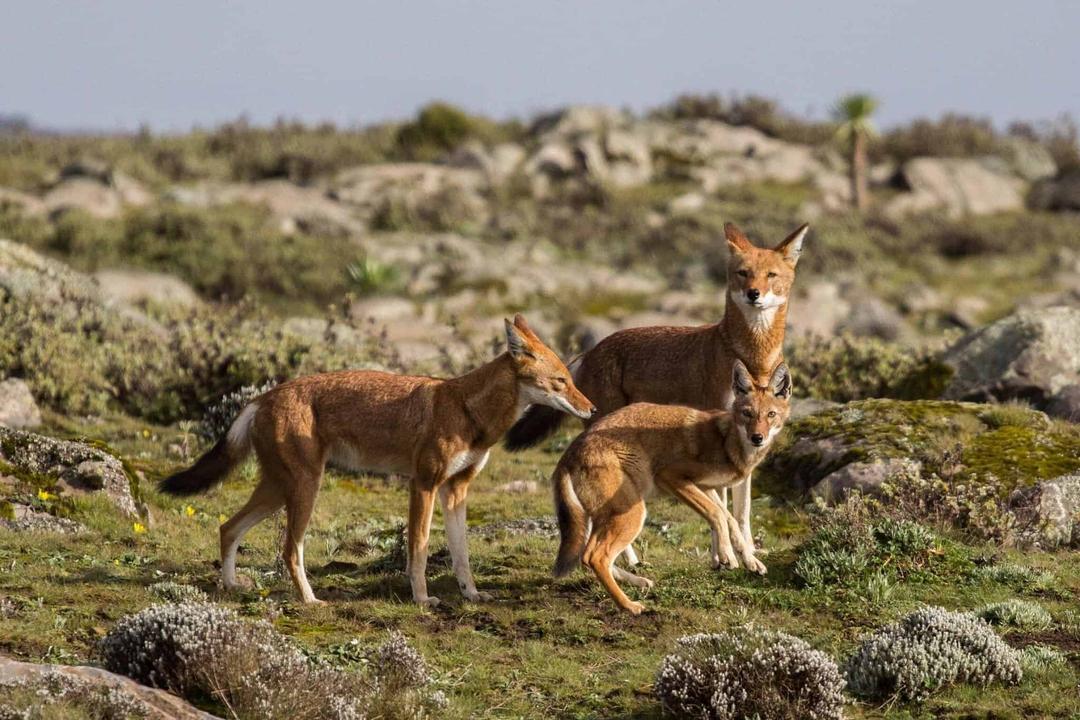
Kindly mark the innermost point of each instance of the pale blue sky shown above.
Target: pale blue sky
(116, 64)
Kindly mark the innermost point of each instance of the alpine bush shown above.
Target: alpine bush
(219, 417)
(749, 672)
(929, 649)
(204, 651)
(1020, 614)
(174, 592)
(56, 695)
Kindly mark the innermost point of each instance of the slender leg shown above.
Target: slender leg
(720, 498)
(630, 556)
(452, 495)
(421, 505)
(610, 537)
(740, 507)
(715, 514)
(630, 578)
(265, 501)
(298, 515)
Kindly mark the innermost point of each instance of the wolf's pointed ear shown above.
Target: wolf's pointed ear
(741, 381)
(520, 324)
(791, 247)
(780, 382)
(737, 242)
(516, 342)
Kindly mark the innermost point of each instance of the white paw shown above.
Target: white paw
(727, 562)
(314, 601)
(428, 602)
(635, 608)
(755, 565)
(477, 596)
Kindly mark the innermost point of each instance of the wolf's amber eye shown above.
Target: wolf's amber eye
(747, 414)
(772, 413)
(772, 274)
(743, 273)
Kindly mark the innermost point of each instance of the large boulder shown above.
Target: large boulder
(134, 287)
(1050, 511)
(17, 407)
(424, 191)
(26, 203)
(876, 438)
(75, 467)
(957, 187)
(294, 207)
(28, 275)
(1031, 355)
(1029, 159)
(86, 194)
(158, 704)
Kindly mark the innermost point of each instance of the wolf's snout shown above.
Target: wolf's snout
(753, 294)
(757, 439)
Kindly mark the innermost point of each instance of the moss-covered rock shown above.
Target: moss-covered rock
(68, 466)
(1016, 445)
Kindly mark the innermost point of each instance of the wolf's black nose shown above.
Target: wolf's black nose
(753, 294)
(757, 439)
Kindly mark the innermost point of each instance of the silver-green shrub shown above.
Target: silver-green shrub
(1016, 613)
(174, 592)
(54, 694)
(204, 650)
(927, 650)
(749, 672)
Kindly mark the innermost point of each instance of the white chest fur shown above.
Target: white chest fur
(475, 459)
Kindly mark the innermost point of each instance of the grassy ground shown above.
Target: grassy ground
(543, 648)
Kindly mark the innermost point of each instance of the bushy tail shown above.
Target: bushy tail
(537, 424)
(573, 524)
(218, 462)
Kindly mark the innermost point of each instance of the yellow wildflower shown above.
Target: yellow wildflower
(189, 511)
(45, 495)
(139, 528)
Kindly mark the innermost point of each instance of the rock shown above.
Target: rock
(497, 164)
(88, 167)
(295, 207)
(957, 186)
(383, 309)
(135, 287)
(686, 204)
(27, 204)
(17, 407)
(804, 407)
(629, 159)
(377, 193)
(84, 194)
(1029, 159)
(866, 477)
(1062, 193)
(26, 519)
(27, 275)
(1065, 404)
(818, 309)
(1050, 511)
(873, 317)
(161, 705)
(519, 487)
(77, 467)
(580, 119)
(1031, 355)
(1020, 448)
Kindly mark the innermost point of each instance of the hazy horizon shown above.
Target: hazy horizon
(118, 65)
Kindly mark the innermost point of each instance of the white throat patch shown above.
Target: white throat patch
(760, 317)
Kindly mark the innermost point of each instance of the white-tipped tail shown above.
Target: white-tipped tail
(239, 435)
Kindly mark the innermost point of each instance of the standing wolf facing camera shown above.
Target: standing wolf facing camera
(603, 479)
(691, 365)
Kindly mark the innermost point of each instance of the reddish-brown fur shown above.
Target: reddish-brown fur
(602, 480)
(437, 432)
(689, 365)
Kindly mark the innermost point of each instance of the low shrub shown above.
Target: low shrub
(852, 548)
(174, 592)
(58, 695)
(927, 650)
(849, 368)
(1020, 614)
(1039, 658)
(1018, 577)
(207, 653)
(749, 672)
